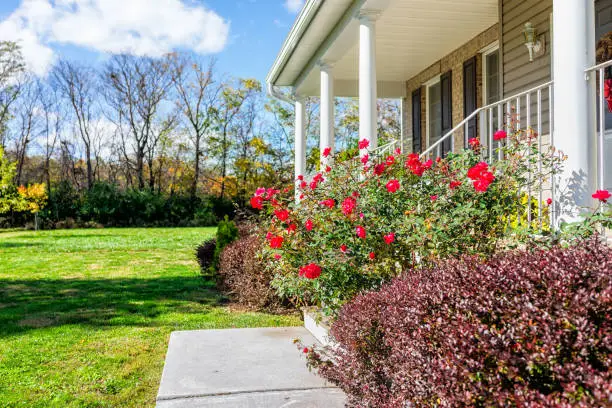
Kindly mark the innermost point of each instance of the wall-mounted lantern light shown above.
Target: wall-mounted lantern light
(533, 42)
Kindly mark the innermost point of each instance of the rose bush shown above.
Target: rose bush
(359, 223)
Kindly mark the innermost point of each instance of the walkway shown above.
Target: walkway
(242, 368)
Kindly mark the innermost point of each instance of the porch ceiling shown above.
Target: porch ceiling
(410, 36)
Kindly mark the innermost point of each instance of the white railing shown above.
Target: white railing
(596, 74)
(385, 150)
(531, 110)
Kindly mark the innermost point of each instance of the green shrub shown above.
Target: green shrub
(358, 225)
(227, 232)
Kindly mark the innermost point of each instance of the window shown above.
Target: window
(434, 112)
(491, 92)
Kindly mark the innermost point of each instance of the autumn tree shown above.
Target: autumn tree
(197, 94)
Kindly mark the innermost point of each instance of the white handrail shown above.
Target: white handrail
(478, 111)
(599, 68)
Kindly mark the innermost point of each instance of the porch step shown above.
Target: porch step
(242, 368)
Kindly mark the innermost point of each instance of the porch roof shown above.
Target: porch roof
(410, 36)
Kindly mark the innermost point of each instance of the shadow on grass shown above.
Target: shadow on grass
(32, 304)
(7, 245)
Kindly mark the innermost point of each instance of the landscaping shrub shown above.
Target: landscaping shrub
(242, 274)
(526, 328)
(205, 254)
(360, 224)
(227, 232)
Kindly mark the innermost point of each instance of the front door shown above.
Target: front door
(603, 36)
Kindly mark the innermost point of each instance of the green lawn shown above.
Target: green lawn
(85, 315)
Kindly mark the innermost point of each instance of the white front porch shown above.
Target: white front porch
(369, 49)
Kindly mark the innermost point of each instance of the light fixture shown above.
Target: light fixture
(533, 42)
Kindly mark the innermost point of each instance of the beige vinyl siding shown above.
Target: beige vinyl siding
(518, 73)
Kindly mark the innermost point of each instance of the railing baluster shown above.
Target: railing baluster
(528, 133)
(553, 212)
(602, 131)
(490, 142)
(518, 113)
(541, 182)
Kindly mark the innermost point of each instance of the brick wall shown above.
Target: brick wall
(452, 62)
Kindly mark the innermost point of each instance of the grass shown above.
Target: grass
(85, 315)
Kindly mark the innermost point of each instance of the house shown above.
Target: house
(462, 69)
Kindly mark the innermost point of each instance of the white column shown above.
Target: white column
(326, 110)
(300, 142)
(367, 78)
(571, 113)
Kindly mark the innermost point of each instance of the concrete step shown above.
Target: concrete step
(242, 368)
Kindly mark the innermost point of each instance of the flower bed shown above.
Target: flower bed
(359, 224)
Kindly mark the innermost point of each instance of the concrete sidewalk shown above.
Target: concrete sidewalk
(242, 368)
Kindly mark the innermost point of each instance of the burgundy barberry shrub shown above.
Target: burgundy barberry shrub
(524, 329)
(242, 274)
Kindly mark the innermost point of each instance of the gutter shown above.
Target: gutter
(309, 11)
(274, 92)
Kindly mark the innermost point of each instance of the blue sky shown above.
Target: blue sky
(244, 35)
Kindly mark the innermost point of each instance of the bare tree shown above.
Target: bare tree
(53, 120)
(78, 86)
(11, 66)
(197, 94)
(27, 122)
(136, 88)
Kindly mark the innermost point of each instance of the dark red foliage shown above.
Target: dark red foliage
(524, 329)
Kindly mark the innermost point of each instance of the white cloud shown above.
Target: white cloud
(294, 6)
(143, 27)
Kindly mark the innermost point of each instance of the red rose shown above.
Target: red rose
(277, 256)
(481, 185)
(305, 350)
(372, 255)
(300, 177)
(361, 232)
(303, 185)
(474, 142)
(390, 160)
(282, 215)
(500, 134)
(327, 169)
(308, 225)
(318, 177)
(276, 242)
(310, 271)
(260, 191)
(364, 159)
(389, 238)
(271, 192)
(313, 184)
(549, 201)
(428, 164)
(326, 151)
(393, 186)
(434, 197)
(257, 202)
(363, 144)
(379, 169)
(348, 205)
(454, 184)
(343, 248)
(475, 172)
(602, 195)
(302, 196)
(330, 203)
(291, 228)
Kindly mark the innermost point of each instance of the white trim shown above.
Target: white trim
(490, 49)
(428, 85)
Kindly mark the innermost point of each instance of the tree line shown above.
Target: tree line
(171, 127)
